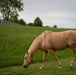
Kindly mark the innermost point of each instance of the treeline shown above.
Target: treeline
(37, 22)
(9, 10)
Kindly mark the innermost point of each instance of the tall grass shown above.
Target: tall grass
(15, 41)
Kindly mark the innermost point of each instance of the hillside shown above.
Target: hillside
(15, 41)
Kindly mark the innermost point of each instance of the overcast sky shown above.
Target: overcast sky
(52, 12)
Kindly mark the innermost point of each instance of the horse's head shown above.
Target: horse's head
(27, 60)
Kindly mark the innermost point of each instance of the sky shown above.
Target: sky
(52, 12)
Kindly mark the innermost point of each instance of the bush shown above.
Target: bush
(30, 24)
(55, 26)
(22, 22)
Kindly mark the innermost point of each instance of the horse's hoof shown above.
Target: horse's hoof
(41, 68)
(60, 67)
(71, 66)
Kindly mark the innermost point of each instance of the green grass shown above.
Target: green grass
(51, 68)
(15, 41)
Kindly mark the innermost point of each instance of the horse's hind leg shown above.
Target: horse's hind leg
(73, 61)
(44, 58)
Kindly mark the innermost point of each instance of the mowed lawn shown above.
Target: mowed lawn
(15, 41)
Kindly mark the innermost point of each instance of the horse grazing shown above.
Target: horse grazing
(50, 41)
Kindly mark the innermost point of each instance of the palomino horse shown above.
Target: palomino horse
(50, 41)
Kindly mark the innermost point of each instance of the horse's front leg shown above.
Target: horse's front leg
(72, 63)
(55, 57)
(44, 58)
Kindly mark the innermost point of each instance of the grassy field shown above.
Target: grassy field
(51, 68)
(15, 41)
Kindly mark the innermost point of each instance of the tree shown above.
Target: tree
(38, 22)
(10, 8)
(55, 26)
(22, 22)
(14, 18)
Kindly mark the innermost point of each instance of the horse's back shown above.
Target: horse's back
(58, 40)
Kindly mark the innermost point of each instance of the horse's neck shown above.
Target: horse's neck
(34, 46)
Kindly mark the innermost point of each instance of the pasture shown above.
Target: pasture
(15, 41)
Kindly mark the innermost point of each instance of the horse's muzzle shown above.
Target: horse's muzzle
(25, 66)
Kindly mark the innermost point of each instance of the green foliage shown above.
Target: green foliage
(22, 22)
(9, 8)
(55, 26)
(14, 18)
(30, 24)
(38, 22)
(15, 41)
